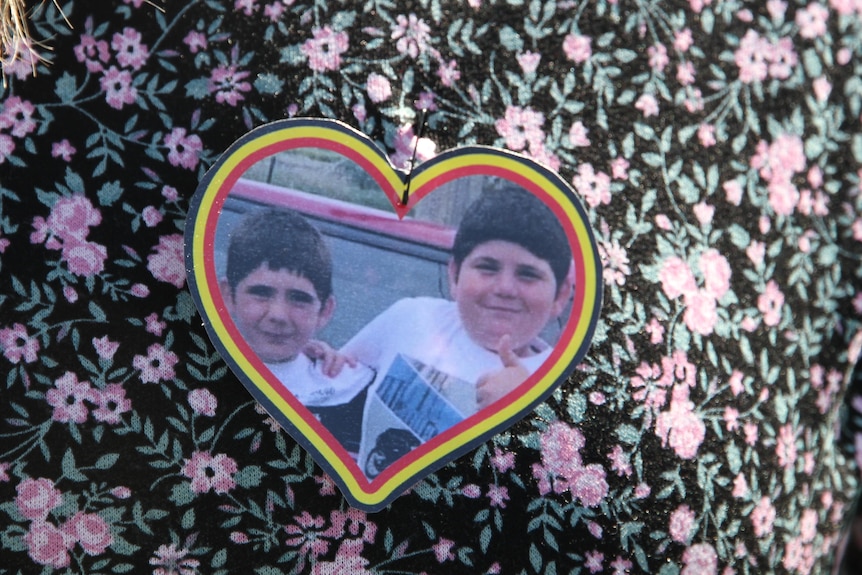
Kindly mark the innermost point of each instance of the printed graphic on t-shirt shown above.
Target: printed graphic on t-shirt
(413, 403)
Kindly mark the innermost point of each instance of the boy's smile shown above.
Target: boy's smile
(503, 289)
(277, 312)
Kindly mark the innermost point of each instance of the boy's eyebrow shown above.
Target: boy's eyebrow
(301, 296)
(260, 290)
(532, 269)
(296, 295)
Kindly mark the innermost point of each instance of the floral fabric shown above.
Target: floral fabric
(716, 145)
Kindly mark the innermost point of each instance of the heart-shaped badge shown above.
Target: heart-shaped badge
(390, 333)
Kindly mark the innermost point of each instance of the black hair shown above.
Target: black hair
(283, 240)
(514, 215)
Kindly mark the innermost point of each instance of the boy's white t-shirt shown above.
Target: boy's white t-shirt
(303, 378)
(429, 330)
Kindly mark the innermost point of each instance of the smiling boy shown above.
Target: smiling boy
(278, 291)
(508, 278)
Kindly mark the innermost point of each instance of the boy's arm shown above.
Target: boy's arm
(331, 361)
(497, 384)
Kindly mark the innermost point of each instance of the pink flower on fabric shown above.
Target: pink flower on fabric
(247, 7)
(685, 73)
(17, 344)
(209, 472)
(68, 397)
(157, 365)
(84, 258)
(48, 545)
(703, 212)
(7, 146)
(196, 41)
(92, 53)
(90, 531)
(682, 40)
(529, 61)
(443, 550)
(562, 465)
(105, 348)
(154, 325)
(680, 427)
(676, 278)
(183, 150)
(17, 114)
(503, 461)
(411, 35)
(498, 495)
(324, 50)
(733, 192)
(448, 73)
(308, 534)
(783, 197)
(770, 303)
(167, 263)
(588, 484)
(700, 312)
(749, 58)
(139, 290)
(37, 497)
(782, 59)
(763, 517)
(111, 403)
(658, 59)
(578, 135)
(118, 88)
(203, 402)
(378, 87)
(228, 84)
(561, 448)
(648, 105)
(812, 20)
(131, 53)
(594, 186)
(706, 135)
(63, 149)
(71, 217)
(700, 559)
(274, 11)
(620, 168)
(757, 58)
(152, 216)
(716, 272)
(577, 48)
(681, 524)
(520, 127)
(471, 491)
(593, 561)
(755, 252)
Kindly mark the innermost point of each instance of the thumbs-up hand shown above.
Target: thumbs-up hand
(496, 384)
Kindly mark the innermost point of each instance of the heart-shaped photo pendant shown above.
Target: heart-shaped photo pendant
(390, 322)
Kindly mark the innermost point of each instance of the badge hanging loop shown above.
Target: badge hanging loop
(420, 131)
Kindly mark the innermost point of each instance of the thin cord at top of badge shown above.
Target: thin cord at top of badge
(420, 131)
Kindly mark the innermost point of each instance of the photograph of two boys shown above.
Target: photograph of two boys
(390, 332)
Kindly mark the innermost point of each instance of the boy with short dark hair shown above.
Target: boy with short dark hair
(508, 277)
(278, 291)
